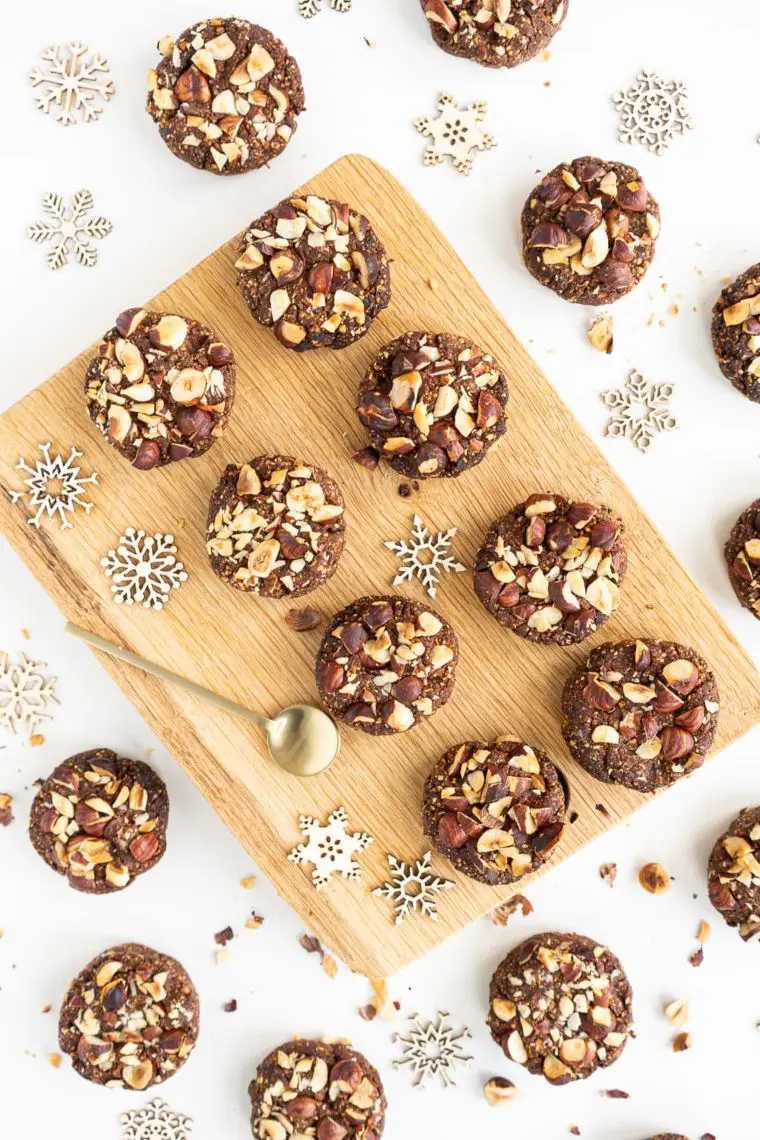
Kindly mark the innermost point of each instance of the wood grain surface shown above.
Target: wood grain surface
(242, 647)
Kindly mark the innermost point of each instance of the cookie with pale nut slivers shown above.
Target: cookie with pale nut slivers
(226, 95)
(316, 1089)
(733, 874)
(561, 1005)
(100, 820)
(433, 404)
(589, 230)
(161, 387)
(736, 332)
(742, 552)
(129, 1020)
(494, 33)
(641, 713)
(385, 664)
(314, 271)
(496, 811)
(552, 568)
(275, 526)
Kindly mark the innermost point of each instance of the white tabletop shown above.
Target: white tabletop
(694, 482)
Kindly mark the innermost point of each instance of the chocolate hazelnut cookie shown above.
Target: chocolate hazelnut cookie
(733, 874)
(736, 332)
(161, 387)
(433, 404)
(275, 526)
(669, 1136)
(385, 664)
(551, 569)
(589, 230)
(226, 95)
(100, 820)
(561, 1005)
(496, 811)
(129, 1020)
(313, 270)
(317, 1089)
(640, 713)
(496, 33)
(742, 552)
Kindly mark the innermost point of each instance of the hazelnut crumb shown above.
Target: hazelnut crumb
(55, 1060)
(499, 1090)
(330, 966)
(501, 914)
(681, 1042)
(654, 879)
(254, 922)
(222, 956)
(677, 1012)
(25, 634)
(704, 930)
(247, 882)
(608, 873)
(36, 739)
(46, 1009)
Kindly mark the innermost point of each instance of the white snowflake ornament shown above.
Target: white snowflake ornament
(25, 693)
(432, 1049)
(309, 8)
(73, 85)
(413, 888)
(144, 569)
(330, 847)
(424, 556)
(456, 132)
(653, 111)
(69, 229)
(55, 487)
(155, 1121)
(640, 410)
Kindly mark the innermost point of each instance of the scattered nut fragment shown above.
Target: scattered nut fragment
(499, 1091)
(608, 873)
(681, 1042)
(329, 965)
(222, 937)
(615, 1094)
(380, 1004)
(304, 619)
(599, 333)
(54, 1059)
(703, 932)
(654, 878)
(36, 739)
(247, 882)
(6, 815)
(254, 922)
(697, 958)
(677, 1012)
(368, 457)
(501, 914)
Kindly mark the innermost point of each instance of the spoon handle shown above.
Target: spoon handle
(166, 675)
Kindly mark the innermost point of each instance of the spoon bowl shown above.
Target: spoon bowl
(303, 740)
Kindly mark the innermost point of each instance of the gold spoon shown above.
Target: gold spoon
(301, 739)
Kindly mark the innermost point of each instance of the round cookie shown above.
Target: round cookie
(130, 1018)
(496, 811)
(313, 270)
(589, 230)
(551, 569)
(161, 387)
(275, 526)
(226, 95)
(386, 663)
(742, 552)
(317, 1089)
(736, 332)
(561, 1005)
(433, 404)
(495, 33)
(733, 874)
(641, 714)
(100, 820)
(669, 1136)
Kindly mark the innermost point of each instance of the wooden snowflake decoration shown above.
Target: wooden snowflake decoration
(69, 229)
(456, 132)
(25, 693)
(155, 1121)
(425, 556)
(55, 487)
(413, 887)
(74, 86)
(653, 111)
(330, 847)
(640, 410)
(309, 8)
(144, 569)
(432, 1049)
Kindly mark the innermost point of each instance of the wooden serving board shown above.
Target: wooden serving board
(242, 647)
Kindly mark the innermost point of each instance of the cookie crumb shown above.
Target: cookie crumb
(608, 873)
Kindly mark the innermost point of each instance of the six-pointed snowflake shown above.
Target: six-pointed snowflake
(653, 112)
(640, 410)
(25, 692)
(413, 888)
(456, 133)
(309, 8)
(330, 847)
(432, 1049)
(56, 487)
(69, 229)
(155, 1122)
(74, 86)
(424, 556)
(144, 569)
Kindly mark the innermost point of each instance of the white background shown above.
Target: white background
(694, 482)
